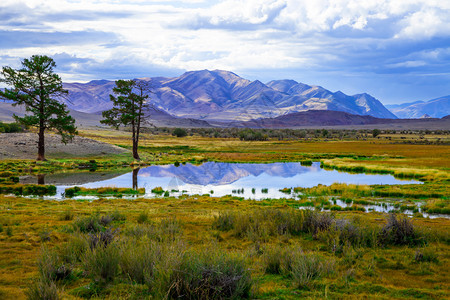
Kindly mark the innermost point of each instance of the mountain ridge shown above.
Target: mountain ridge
(224, 96)
(435, 108)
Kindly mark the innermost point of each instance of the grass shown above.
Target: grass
(227, 247)
(243, 233)
(104, 191)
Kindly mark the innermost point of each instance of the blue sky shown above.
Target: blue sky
(396, 50)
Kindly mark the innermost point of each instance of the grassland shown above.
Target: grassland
(278, 251)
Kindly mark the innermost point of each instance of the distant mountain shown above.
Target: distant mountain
(435, 108)
(224, 96)
(158, 118)
(324, 118)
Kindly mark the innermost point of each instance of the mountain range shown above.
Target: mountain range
(341, 120)
(435, 108)
(224, 96)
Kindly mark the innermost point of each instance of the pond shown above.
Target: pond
(251, 181)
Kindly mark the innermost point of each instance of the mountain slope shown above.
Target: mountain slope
(324, 118)
(224, 96)
(82, 119)
(435, 108)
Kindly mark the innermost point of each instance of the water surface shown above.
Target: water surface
(252, 181)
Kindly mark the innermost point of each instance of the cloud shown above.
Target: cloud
(321, 40)
(12, 39)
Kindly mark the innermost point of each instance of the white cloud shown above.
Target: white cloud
(328, 36)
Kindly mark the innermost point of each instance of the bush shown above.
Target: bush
(179, 132)
(399, 231)
(102, 238)
(73, 251)
(210, 274)
(88, 224)
(376, 132)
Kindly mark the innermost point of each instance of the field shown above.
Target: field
(205, 247)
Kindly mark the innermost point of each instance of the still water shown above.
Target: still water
(252, 181)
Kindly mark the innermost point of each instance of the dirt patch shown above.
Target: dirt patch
(24, 146)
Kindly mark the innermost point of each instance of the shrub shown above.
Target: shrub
(179, 132)
(252, 135)
(210, 274)
(279, 260)
(88, 224)
(399, 231)
(44, 235)
(376, 132)
(158, 190)
(102, 238)
(315, 221)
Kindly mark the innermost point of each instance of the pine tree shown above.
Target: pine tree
(40, 90)
(129, 107)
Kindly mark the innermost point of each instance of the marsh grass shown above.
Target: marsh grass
(104, 191)
(52, 267)
(102, 263)
(42, 289)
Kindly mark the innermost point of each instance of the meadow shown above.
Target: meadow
(202, 247)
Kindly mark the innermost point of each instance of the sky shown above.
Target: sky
(396, 50)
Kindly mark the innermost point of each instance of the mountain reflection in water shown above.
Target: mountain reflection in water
(227, 178)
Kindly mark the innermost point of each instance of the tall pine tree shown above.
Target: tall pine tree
(40, 90)
(129, 107)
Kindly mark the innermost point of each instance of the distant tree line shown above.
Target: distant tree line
(11, 127)
(247, 134)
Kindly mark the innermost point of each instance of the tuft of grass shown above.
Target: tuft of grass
(308, 267)
(102, 263)
(142, 217)
(42, 289)
(51, 266)
(67, 215)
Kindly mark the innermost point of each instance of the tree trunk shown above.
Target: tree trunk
(135, 178)
(41, 179)
(41, 144)
(135, 143)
